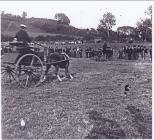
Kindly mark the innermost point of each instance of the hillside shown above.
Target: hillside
(37, 27)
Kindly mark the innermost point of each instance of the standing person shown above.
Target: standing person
(56, 49)
(64, 50)
(59, 50)
(134, 52)
(142, 52)
(125, 51)
(138, 52)
(104, 46)
(77, 52)
(74, 52)
(99, 54)
(120, 53)
(129, 51)
(68, 51)
(151, 53)
(86, 52)
(80, 52)
(51, 49)
(90, 52)
(145, 51)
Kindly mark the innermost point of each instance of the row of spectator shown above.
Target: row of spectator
(133, 52)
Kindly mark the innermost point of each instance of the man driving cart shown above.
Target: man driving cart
(22, 39)
(22, 34)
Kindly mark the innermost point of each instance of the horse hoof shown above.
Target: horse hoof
(59, 78)
(63, 78)
(43, 79)
(71, 77)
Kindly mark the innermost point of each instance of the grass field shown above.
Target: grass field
(92, 105)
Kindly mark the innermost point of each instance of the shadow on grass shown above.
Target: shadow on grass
(104, 128)
(142, 123)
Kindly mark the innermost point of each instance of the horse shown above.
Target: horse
(108, 52)
(58, 60)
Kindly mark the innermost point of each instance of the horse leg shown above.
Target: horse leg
(67, 74)
(45, 73)
(57, 73)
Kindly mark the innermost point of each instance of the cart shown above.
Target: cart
(23, 65)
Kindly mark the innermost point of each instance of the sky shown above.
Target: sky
(82, 14)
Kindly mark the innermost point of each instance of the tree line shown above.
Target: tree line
(104, 31)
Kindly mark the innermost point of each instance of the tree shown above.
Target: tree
(90, 34)
(107, 23)
(62, 18)
(101, 32)
(2, 13)
(148, 12)
(93, 31)
(125, 31)
(144, 28)
(24, 15)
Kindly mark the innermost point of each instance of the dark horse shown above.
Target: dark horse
(58, 60)
(108, 52)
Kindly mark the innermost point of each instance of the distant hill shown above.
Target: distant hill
(38, 27)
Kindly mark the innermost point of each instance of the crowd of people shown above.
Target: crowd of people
(131, 52)
(75, 52)
(99, 52)
(88, 52)
(134, 52)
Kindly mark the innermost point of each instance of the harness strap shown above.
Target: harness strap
(66, 56)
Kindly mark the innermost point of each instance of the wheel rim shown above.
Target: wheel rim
(29, 70)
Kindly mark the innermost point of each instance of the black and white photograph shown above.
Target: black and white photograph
(76, 69)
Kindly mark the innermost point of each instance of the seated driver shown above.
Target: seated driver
(22, 36)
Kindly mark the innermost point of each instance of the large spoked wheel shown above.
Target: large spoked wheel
(29, 70)
(8, 74)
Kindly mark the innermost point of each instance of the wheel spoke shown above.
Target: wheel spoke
(32, 62)
(27, 79)
(13, 76)
(37, 76)
(6, 77)
(10, 78)
(13, 72)
(3, 71)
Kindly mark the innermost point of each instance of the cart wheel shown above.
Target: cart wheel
(29, 70)
(8, 74)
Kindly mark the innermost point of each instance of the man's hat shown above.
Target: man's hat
(22, 26)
